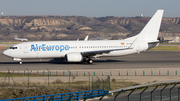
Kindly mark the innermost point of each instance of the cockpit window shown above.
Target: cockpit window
(13, 48)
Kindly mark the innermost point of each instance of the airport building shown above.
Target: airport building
(174, 39)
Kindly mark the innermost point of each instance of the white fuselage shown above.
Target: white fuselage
(58, 49)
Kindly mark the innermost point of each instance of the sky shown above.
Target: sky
(90, 8)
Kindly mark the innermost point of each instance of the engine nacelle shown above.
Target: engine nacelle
(74, 57)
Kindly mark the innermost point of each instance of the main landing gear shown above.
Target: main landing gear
(20, 62)
(88, 60)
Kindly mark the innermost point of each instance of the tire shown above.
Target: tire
(90, 61)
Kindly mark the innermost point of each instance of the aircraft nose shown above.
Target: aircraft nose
(5, 52)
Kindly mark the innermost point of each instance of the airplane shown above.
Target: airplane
(20, 39)
(84, 51)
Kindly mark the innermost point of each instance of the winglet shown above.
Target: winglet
(86, 38)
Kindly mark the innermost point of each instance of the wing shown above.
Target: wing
(93, 53)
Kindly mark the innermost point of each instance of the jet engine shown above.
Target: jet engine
(74, 57)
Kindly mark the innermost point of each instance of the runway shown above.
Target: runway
(158, 60)
(149, 59)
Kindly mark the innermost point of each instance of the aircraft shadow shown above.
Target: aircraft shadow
(62, 62)
(109, 60)
(23, 62)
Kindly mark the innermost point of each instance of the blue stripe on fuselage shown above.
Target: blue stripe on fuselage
(45, 47)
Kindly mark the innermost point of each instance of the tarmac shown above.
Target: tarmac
(142, 68)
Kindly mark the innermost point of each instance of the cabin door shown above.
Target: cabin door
(25, 48)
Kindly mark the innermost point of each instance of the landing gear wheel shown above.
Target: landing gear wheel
(89, 61)
(20, 62)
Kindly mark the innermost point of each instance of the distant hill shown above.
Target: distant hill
(77, 27)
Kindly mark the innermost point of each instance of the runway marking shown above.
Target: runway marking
(74, 67)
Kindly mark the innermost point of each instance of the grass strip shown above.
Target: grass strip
(166, 48)
(2, 74)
